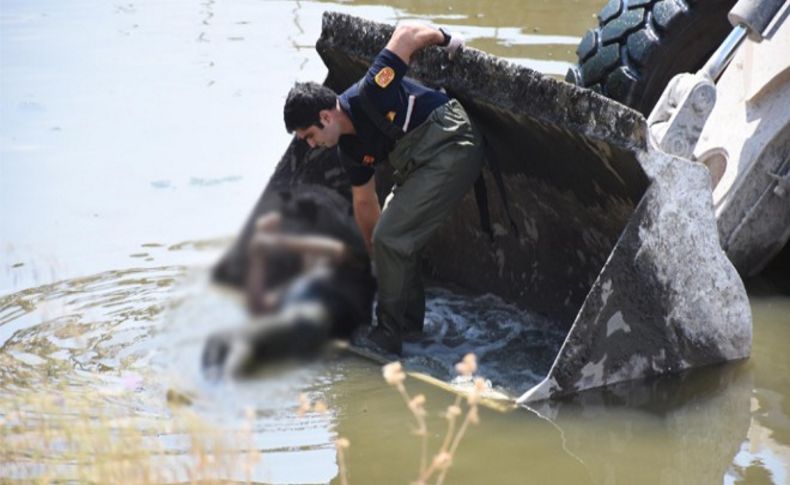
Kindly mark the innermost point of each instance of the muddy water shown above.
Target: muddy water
(134, 138)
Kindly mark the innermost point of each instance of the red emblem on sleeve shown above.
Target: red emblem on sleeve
(385, 77)
(368, 160)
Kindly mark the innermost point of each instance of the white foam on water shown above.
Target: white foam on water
(514, 347)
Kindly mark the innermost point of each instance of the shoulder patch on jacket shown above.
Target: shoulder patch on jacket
(385, 77)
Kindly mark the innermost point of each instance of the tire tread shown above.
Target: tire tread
(616, 56)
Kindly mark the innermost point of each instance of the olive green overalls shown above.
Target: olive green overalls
(435, 165)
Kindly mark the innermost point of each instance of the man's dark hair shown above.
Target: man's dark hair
(304, 104)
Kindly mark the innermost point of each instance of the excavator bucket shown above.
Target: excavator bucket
(616, 243)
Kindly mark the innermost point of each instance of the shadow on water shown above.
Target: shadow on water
(685, 429)
(634, 418)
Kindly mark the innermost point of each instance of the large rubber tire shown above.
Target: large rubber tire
(639, 45)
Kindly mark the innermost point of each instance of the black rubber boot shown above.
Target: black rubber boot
(385, 338)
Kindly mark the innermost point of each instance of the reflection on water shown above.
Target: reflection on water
(134, 140)
(129, 342)
(93, 324)
(765, 450)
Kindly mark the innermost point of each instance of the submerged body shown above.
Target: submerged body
(310, 281)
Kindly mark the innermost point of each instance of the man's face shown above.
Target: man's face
(327, 136)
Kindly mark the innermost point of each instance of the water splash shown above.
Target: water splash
(515, 347)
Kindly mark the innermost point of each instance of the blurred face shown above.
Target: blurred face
(326, 136)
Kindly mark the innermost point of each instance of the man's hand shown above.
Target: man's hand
(455, 43)
(366, 210)
(408, 38)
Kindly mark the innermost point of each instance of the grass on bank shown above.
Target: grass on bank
(89, 437)
(61, 434)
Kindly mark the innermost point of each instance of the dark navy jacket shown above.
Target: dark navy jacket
(403, 101)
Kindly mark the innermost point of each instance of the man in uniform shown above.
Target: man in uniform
(430, 143)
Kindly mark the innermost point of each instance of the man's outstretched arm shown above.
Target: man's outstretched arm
(409, 38)
(366, 209)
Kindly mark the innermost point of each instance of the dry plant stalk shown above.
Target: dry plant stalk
(57, 434)
(342, 444)
(443, 459)
(394, 376)
(253, 456)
